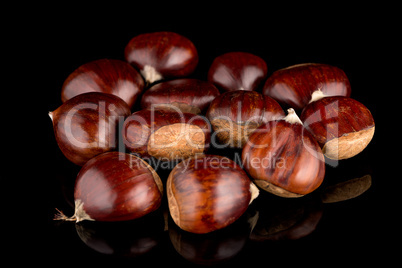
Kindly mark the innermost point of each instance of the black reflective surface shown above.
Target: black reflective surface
(274, 231)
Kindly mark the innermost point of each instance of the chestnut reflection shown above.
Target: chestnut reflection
(123, 239)
(346, 190)
(211, 248)
(287, 220)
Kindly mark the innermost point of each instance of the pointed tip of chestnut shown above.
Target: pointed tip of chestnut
(150, 74)
(51, 115)
(292, 117)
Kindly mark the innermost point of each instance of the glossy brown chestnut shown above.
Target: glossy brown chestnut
(105, 75)
(87, 125)
(115, 186)
(208, 193)
(237, 71)
(166, 134)
(284, 158)
(235, 114)
(162, 55)
(293, 86)
(342, 126)
(189, 95)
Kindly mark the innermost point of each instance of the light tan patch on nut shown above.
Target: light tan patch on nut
(231, 133)
(348, 145)
(176, 141)
(273, 189)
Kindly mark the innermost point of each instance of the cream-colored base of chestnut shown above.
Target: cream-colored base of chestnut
(231, 133)
(273, 189)
(348, 145)
(176, 141)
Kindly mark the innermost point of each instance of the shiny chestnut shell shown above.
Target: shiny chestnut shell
(105, 75)
(186, 94)
(87, 125)
(161, 55)
(283, 158)
(342, 126)
(237, 71)
(166, 134)
(208, 193)
(236, 114)
(293, 86)
(116, 186)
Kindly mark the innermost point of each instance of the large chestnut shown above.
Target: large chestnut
(236, 114)
(208, 193)
(105, 75)
(284, 158)
(167, 135)
(87, 125)
(162, 55)
(237, 71)
(342, 126)
(115, 186)
(187, 94)
(293, 86)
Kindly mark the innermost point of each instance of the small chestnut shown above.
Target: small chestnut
(187, 94)
(167, 135)
(115, 186)
(237, 71)
(161, 55)
(342, 126)
(236, 114)
(283, 158)
(87, 125)
(105, 75)
(208, 193)
(293, 86)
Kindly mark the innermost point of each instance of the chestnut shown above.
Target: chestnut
(166, 135)
(237, 71)
(284, 158)
(293, 86)
(208, 193)
(115, 186)
(189, 95)
(105, 75)
(87, 125)
(161, 55)
(236, 114)
(342, 126)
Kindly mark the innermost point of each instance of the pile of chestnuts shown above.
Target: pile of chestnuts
(118, 115)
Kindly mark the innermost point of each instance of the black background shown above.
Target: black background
(52, 44)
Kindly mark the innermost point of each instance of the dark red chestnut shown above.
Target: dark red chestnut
(87, 125)
(105, 75)
(236, 114)
(284, 158)
(293, 86)
(115, 186)
(162, 55)
(166, 134)
(237, 71)
(208, 193)
(189, 95)
(342, 126)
